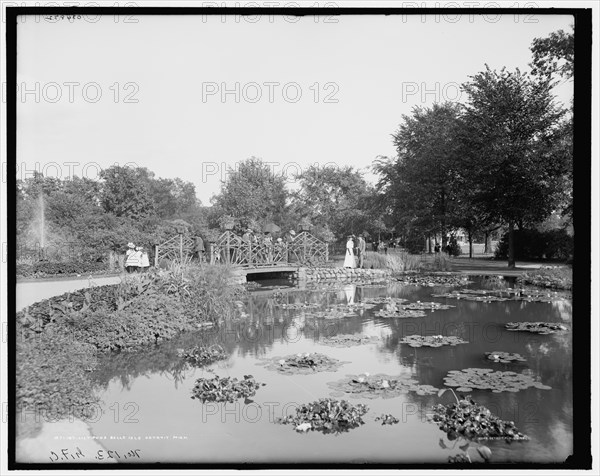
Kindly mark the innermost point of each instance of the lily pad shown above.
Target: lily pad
(201, 356)
(387, 419)
(473, 422)
(434, 280)
(299, 305)
(384, 300)
(380, 385)
(307, 363)
(349, 340)
(504, 357)
(537, 327)
(431, 341)
(327, 416)
(487, 379)
(225, 389)
(427, 306)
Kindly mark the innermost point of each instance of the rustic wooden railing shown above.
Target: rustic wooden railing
(233, 250)
(179, 248)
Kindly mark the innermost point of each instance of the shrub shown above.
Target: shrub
(53, 378)
(58, 337)
(49, 268)
(146, 319)
(454, 248)
(534, 244)
(397, 262)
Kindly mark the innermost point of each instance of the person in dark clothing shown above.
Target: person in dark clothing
(199, 248)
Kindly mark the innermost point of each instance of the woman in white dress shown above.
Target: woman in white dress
(349, 261)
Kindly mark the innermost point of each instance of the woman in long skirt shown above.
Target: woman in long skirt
(349, 261)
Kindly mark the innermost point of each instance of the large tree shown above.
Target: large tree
(125, 191)
(420, 184)
(554, 55)
(337, 198)
(511, 129)
(253, 192)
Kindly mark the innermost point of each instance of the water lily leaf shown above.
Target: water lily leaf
(442, 391)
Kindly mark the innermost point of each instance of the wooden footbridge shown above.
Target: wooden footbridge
(249, 255)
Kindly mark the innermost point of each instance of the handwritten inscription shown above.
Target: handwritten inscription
(54, 18)
(68, 454)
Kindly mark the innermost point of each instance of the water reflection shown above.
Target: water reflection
(270, 330)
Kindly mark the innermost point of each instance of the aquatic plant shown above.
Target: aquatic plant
(326, 415)
(392, 309)
(387, 419)
(557, 278)
(431, 341)
(473, 422)
(201, 356)
(486, 379)
(427, 306)
(299, 305)
(384, 300)
(504, 357)
(349, 340)
(306, 363)
(379, 385)
(536, 327)
(504, 294)
(226, 389)
(434, 279)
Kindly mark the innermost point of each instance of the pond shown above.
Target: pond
(147, 404)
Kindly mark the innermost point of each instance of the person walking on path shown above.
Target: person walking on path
(131, 258)
(349, 261)
(362, 249)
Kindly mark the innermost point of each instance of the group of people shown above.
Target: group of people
(356, 248)
(136, 259)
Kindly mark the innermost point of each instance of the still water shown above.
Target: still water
(147, 404)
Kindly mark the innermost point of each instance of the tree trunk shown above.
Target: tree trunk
(470, 244)
(511, 244)
(429, 243)
(487, 244)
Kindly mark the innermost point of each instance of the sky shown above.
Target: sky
(192, 96)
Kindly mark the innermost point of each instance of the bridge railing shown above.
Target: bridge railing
(233, 250)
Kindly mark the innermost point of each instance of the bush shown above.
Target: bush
(145, 320)
(534, 244)
(53, 378)
(58, 337)
(397, 262)
(49, 268)
(454, 248)
(414, 243)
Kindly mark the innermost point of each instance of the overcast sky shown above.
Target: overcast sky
(107, 90)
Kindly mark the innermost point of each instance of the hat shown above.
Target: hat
(130, 245)
(292, 232)
(138, 248)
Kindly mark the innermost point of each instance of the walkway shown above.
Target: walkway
(34, 290)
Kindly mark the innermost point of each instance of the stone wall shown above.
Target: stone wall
(341, 274)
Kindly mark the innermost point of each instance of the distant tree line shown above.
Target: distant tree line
(500, 160)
